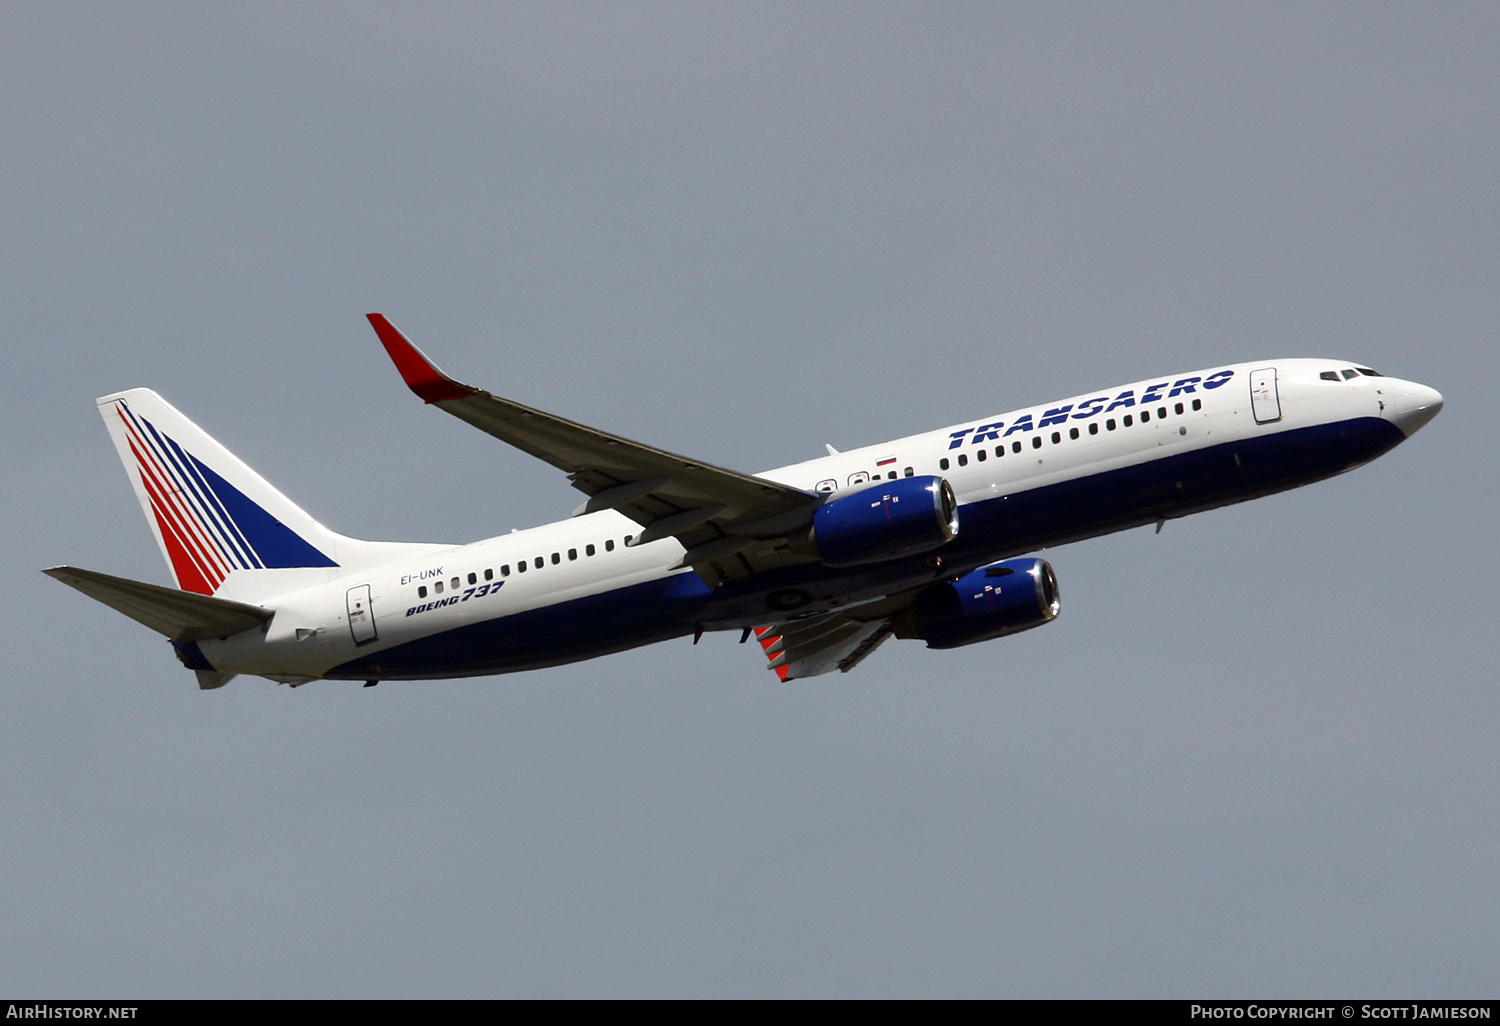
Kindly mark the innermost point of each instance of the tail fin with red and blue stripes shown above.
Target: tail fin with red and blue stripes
(211, 514)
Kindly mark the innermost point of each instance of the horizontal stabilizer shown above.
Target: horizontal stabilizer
(180, 615)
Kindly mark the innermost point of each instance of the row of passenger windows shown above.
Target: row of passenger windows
(536, 562)
(863, 476)
(1036, 440)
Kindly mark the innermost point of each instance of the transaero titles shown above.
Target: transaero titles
(1088, 408)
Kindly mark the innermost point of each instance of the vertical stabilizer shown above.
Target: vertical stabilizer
(211, 514)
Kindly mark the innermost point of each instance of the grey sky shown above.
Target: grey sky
(1255, 756)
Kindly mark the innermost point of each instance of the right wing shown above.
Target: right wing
(732, 524)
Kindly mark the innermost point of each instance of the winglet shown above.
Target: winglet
(420, 374)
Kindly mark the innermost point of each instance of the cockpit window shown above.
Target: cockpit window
(1349, 374)
(1367, 372)
(1329, 375)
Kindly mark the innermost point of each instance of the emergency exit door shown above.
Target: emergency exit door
(361, 615)
(1264, 400)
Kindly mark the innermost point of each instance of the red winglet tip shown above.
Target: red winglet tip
(419, 373)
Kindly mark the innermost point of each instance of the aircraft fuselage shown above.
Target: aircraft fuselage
(1034, 478)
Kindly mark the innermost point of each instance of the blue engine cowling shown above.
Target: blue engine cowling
(1004, 598)
(887, 520)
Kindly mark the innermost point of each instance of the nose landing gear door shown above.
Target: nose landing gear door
(361, 615)
(1264, 399)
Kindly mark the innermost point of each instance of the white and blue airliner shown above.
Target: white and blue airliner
(924, 537)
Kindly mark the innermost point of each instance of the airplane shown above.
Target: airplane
(924, 537)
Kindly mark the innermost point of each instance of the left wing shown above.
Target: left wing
(732, 524)
(821, 644)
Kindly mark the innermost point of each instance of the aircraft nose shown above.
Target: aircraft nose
(1414, 405)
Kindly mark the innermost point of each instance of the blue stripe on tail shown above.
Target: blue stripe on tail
(275, 545)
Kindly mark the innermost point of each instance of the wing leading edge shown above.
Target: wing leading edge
(732, 524)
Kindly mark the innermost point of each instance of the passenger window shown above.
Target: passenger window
(473, 578)
(1109, 424)
(1072, 432)
(556, 558)
(1056, 437)
(891, 476)
(859, 477)
(1015, 446)
(1036, 442)
(1197, 404)
(489, 575)
(437, 587)
(538, 562)
(823, 486)
(505, 570)
(981, 455)
(627, 540)
(422, 591)
(588, 550)
(999, 451)
(1145, 417)
(572, 554)
(1127, 420)
(963, 461)
(609, 545)
(1177, 408)
(1161, 413)
(943, 463)
(521, 567)
(1094, 428)
(454, 583)
(908, 472)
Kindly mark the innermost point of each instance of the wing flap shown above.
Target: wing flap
(821, 644)
(179, 615)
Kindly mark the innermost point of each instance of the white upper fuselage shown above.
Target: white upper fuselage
(440, 589)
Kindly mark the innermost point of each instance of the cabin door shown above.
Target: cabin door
(1264, 400)
(361, 615)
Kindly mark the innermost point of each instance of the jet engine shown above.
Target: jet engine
(887, 520)
(1004, 598)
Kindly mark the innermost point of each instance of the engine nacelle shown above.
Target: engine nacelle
(1004, 598)
(887, 520)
